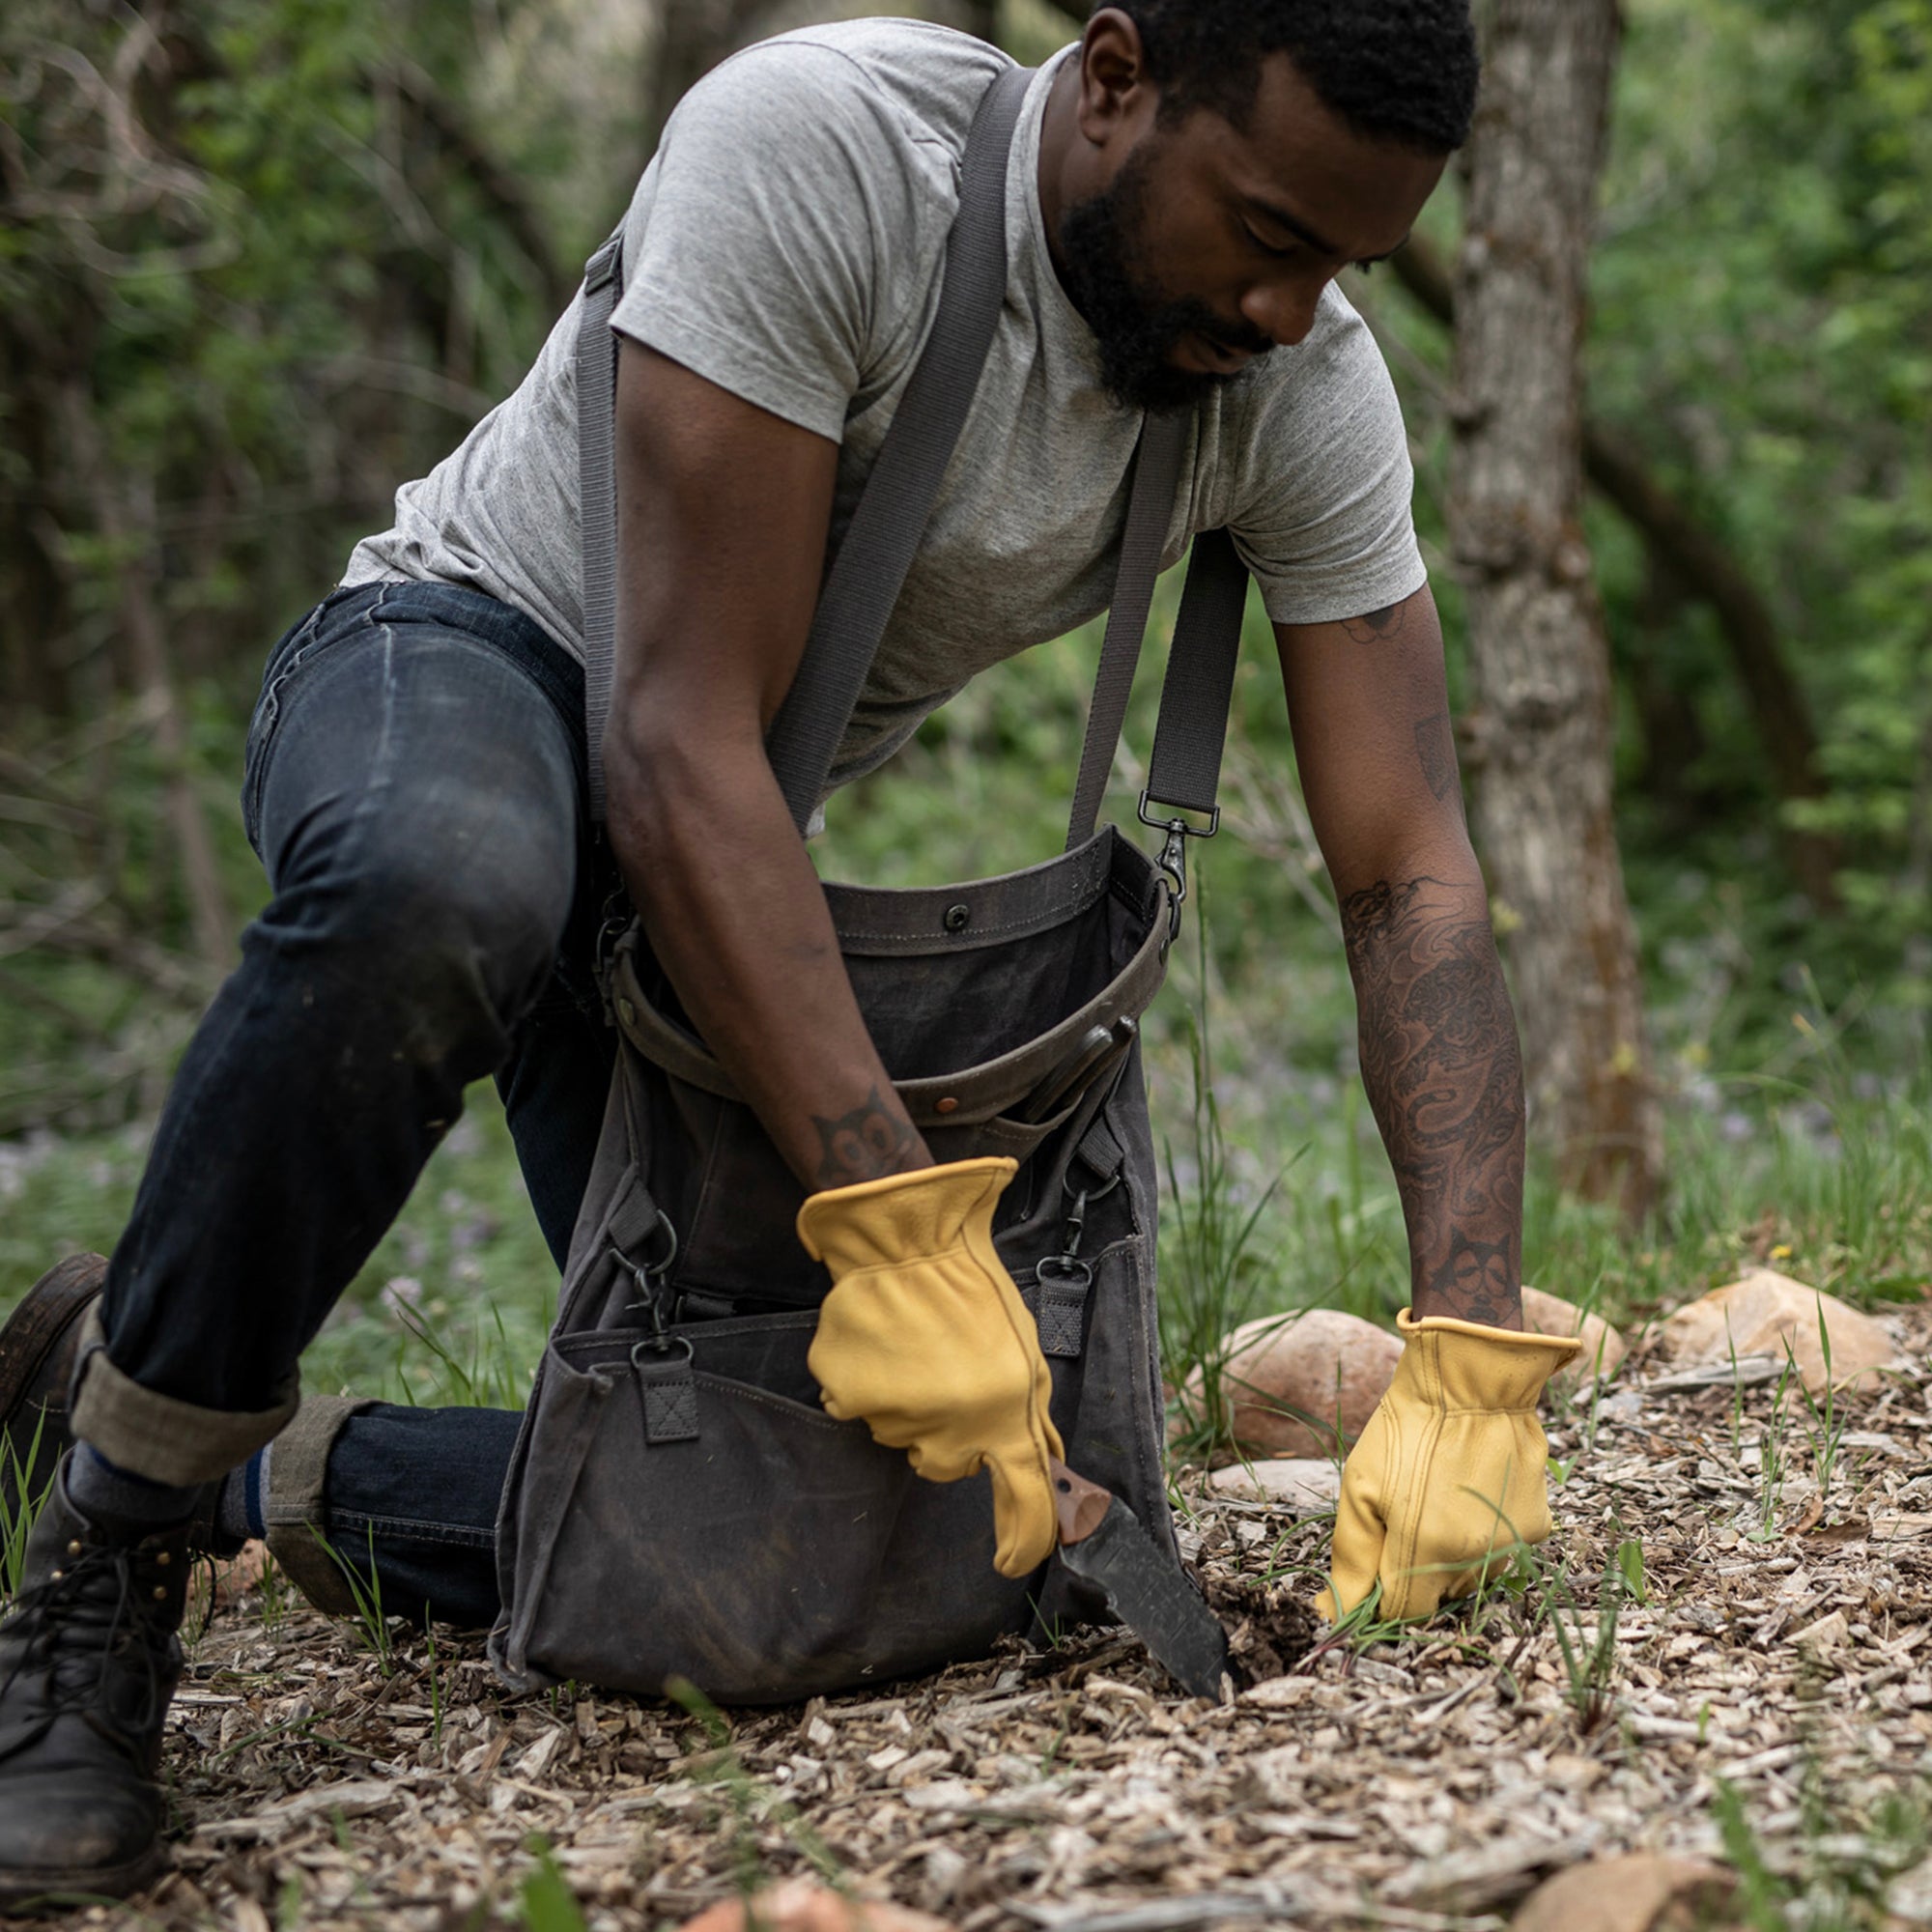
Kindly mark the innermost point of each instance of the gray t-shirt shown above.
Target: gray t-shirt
(786, 243)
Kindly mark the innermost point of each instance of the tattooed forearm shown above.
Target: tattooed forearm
(873, 1139)
(1444, 1075)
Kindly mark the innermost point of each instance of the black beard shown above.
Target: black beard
(1136, 327)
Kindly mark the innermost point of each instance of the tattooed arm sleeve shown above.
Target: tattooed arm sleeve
(1440, 1056)
(1444, 1077)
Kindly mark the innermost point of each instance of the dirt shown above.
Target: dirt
(1270, 1626)
(1772, 1642)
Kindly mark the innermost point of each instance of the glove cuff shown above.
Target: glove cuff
(902, 1218)
(1468, 1365)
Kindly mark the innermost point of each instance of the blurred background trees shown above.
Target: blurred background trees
(263, 260)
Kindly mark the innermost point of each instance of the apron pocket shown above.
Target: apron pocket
(771, 1553)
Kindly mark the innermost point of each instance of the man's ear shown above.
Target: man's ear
(1117, 99)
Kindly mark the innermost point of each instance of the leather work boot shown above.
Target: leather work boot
(38, 1348)
(88, 1661)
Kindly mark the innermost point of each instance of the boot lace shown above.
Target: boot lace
(77, 1628)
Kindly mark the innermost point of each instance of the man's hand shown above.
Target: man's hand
(1449, 1470)
(925, 1339)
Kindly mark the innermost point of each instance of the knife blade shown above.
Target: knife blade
(1103, 1540)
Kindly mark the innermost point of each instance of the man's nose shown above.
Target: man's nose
(1284, 309)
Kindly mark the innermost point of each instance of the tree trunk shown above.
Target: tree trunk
(1539, 666)
(1707, 570)
(125, 514)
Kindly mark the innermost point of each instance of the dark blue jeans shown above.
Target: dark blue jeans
(415, 786)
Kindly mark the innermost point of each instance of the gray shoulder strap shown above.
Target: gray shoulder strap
(1192, 728)
(891, 518)
(1188, 737)
(597, 494)
(1157, 461)
(884, 535)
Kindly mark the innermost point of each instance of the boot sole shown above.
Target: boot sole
(43, 1324)
(50, 1892)
(39, 1325)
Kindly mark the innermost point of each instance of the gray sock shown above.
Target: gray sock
(115, 1497)
(243, 1496)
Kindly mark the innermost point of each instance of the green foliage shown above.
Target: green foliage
(1212, 1272)
(544, 1901)
(1762, 331)
(365, 1593)
(19, 1505)
(251, 280)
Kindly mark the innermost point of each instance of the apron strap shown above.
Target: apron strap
(884, 535)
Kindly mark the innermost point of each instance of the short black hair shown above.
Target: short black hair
(1398, 70)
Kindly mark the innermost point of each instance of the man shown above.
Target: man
(1187, 182)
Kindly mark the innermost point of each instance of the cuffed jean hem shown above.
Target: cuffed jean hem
(400, 1500)
(160, 1437)
(296, 1505)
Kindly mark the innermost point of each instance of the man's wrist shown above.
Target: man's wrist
(1491, 1307)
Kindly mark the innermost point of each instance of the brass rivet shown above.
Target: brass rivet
(74, 1547)
(161, 1593)
(948, 1105)
(164, 1557)
(56, 1576)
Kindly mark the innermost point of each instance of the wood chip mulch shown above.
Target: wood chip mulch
(1770, 1641)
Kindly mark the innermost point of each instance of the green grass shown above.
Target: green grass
(1279, 1196)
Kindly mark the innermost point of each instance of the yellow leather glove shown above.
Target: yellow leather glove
(925, 1339)
(1450, 1467)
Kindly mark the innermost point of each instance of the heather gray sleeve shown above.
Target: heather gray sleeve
(767, 247)
(1324, 520)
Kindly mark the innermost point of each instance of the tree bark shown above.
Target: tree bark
(1538, 661)
(1707, 571)
(124, 514)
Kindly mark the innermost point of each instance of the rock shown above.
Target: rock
(1603, 1346)
(1290, 1382)
(1760, 1312)
(1642, 1893)
(1307, 1485)
(236, 1576)
(804, 1905)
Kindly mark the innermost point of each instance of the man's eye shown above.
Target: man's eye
(1268, 247)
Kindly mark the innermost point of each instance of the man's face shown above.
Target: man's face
(1211, 244)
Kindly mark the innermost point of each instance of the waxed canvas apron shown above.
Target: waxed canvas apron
(678, 1504)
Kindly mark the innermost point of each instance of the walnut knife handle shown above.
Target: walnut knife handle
(1078, 1503)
